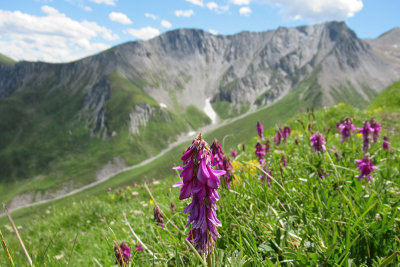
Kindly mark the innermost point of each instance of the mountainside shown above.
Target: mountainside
(68, 122)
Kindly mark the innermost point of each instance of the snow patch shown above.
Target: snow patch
(163, 105)
(210, 111)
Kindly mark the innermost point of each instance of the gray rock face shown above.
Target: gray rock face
(186, 66)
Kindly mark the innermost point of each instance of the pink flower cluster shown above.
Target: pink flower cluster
(200, 182)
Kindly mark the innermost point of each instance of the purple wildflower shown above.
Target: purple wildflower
(366, 130)
(120, 191)
(318, 142)
(385, 144)
(365, 167)
(284, 161)
(286, 132)
(234, 153)
(377, 128)
(221, 162)
(139, 247)
(218, 154)
(172, 207)
(263, 175)
(322, 173)
(122, 253)
(267, 147)
(158, 216)
(109, 189)
(260, 153)
(260, 129)
(278, 137)
(346, 128)
(228, 176)
(200, 182)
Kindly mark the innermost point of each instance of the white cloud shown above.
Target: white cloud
(212, 31)
(144, 33)
(53, 37)
(184, 13)
(196, 2)
(119, 17)
(212, 5)
(241, 2)
(245, 11)
(218, 9)
(107, 2)
(152, 16)
(166, 24)
(317, 10)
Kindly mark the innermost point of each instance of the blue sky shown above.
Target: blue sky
(65, 30)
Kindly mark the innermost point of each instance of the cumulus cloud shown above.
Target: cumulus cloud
(144, 33)
(317, 10)
(217, 8)
(212, 31)
(184, 13)
(119, 17)
(166, 24)
(196, 2)
(245, 11)
(152, 16)
(240, 2)
(212, 5)
(53, 37)
(107, 2)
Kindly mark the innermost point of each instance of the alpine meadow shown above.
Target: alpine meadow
(190, 148)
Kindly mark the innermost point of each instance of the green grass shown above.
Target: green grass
(195, 117)
(6, 60)
(300, 220)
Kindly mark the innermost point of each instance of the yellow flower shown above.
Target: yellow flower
(296, 133)
(236, 165)
(341, 104)
(112, 197)
(377, 109)
(151, 202)
(251, 167)
(237, 181)
(359, 134)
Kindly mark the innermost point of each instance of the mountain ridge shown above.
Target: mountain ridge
(134, 99)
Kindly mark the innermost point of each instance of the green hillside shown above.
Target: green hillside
(6, 60)
(46, 144)
(301, 219)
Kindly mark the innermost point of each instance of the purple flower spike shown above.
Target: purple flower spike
(346, 128)
(284, 161)
(365, 167)
(286, 131)
(263, 176)
(260, 153)
(218, 154)
(122, 253)
(278, 137)
(267, 147)
(366, 130)
(158, 216)
(139, 247)
(318, 142)
(377, 128)
(200, 182)
(234, 153)
(385, 144)
(260, 129)
(222, 162)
